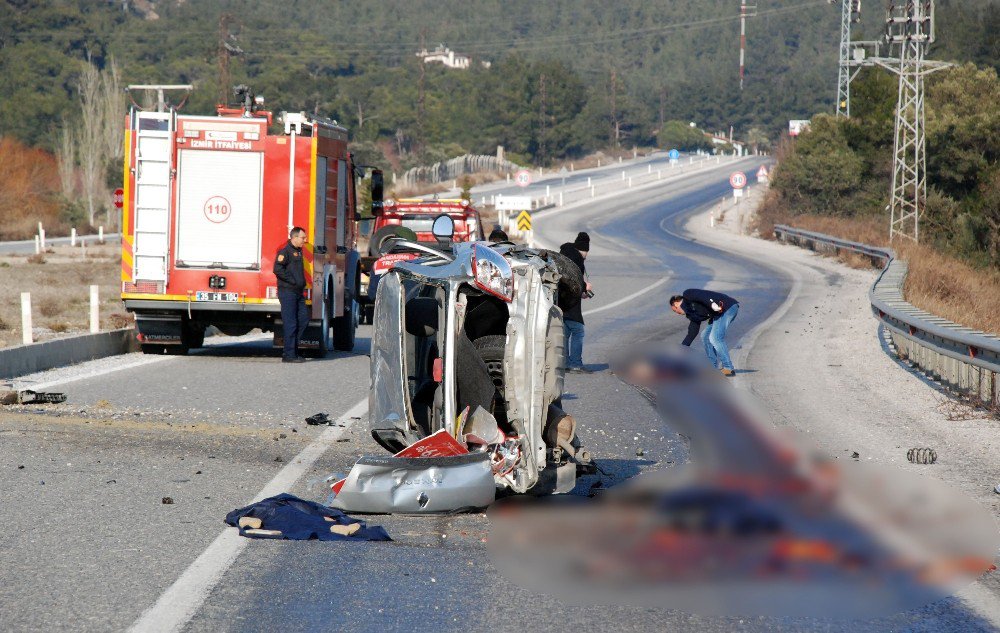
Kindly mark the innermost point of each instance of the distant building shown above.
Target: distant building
(444, 55)
(721, 139)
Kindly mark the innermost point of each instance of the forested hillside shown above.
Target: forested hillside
(567, 76)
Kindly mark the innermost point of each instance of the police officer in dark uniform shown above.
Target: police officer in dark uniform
(291, 276)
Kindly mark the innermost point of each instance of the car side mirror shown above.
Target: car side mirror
(377, 192)
(443, 228)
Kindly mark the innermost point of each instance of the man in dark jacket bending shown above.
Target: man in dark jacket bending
(716, 308)
(290, 271)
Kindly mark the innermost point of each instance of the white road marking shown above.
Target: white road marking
(615, 304)
(182, 600)
(143, 360)
(25, 382)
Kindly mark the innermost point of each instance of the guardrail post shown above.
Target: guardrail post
(26, 333)
(95, 310)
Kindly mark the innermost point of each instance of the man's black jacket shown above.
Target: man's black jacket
(697, 306)
(571, 305)
(288, 268)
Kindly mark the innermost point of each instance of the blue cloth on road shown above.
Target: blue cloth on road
(301, 520)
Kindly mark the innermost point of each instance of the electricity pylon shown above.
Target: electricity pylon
(909, 31)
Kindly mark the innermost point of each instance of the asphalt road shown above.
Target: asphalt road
(89, 545)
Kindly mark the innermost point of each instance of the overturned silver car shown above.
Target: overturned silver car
(468, 343)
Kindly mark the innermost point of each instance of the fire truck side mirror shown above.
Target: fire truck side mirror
(377, 187)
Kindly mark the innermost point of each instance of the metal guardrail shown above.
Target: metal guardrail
(964, 360)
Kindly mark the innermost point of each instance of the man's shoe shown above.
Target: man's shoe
(296, 359)
(729, 373)
(579, 370)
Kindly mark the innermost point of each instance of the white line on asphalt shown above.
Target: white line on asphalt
(144, 360)
(615, 304)
(182, 600)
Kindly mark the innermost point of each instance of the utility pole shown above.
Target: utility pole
(616, 127)
(909, 29)
(746, 11)
(541, 119)
(226, 51)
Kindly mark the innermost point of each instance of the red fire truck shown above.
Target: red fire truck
(208, 202)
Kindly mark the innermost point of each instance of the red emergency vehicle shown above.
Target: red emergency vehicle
(417, 215)
(208, 202)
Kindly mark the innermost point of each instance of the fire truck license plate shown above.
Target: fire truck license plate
(216, 296)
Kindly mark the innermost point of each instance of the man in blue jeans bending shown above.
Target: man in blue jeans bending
(716, 308)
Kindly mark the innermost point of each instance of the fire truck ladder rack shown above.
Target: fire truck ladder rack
(153, 172)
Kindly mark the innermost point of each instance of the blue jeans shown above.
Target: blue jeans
(294, 319)
(574, 343)
(714, 337)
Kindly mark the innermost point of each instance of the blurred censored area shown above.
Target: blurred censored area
(757, 523)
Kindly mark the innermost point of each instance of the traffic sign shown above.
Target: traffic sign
(673, 154)
(762, 173)
(738, 179)
(119, 198)
(524, 221)
(523, 178)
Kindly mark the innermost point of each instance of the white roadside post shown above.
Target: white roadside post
(41, 235)
(623, 174)
(548, 189)
(72, 237)
(95, 311)
(560, 198)
(593, 191)
(100, 234)
(38, 245)
(630, 182)
(26, 336)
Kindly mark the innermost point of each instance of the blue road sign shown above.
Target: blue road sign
(673, 154)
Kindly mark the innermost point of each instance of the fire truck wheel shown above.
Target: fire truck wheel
(325, 340)
(344, 327)
(152, 349)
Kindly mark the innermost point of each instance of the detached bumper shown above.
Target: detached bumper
(418, 485)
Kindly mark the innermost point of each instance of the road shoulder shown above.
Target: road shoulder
(823, 368)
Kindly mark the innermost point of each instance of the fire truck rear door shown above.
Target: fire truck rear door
(219, 209)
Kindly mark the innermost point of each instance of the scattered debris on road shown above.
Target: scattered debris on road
(318, 419)
(167, 501)
(27, 396)
(921, 455)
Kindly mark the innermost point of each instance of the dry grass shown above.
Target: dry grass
(936, 282)
(60, 292)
